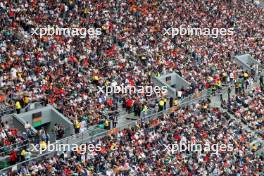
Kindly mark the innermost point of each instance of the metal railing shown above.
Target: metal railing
(84, 137)
(6, 149)
(37, 105)
(12, 110)
(89, 135)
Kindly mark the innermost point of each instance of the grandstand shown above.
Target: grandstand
(57, 88)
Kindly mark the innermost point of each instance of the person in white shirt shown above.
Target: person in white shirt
(83, 126)
(27, 126)
(179, 94)
(14, 73)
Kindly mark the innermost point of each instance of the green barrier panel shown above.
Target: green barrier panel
(4, 164)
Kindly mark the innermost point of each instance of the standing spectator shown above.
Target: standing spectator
(171, 101)
(83, 124)
(107, 124)
(18, 107)
(28, 129)
(161, 105)
(13, 157)
(179, 94)
(28, 154)
(165, 103)
(237, 87)
(129, 105)
(77, 126)
(44, 135)
(61, 131)
(115, 120)
(23, 154)
(25, 102)
(137, 108)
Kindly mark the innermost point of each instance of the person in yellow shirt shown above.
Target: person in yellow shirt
(43, 146)
(161, 104)
(23, 155)
(237, 87)
(107, 83)
(224, 77)
(77, 126)
(176, 103)
(219, 84)
(85, 12)
(113, 147)
(19, 75)
(18, 107)
(96, 79)
(25, 102)
(107, 124)
(254, 148)
(245, 75)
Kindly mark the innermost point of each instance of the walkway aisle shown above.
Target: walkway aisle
(215, 102)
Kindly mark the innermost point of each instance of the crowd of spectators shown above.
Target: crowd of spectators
(10, 139)
(64, 71)
(6, 106)
(16, 146)
(249, 108)
(141, 150)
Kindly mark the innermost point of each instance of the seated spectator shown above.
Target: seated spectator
(247, 107)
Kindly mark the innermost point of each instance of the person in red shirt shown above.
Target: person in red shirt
(13, 157)
(110, 102)
(129, 104)
(67, 171)
(177, 137)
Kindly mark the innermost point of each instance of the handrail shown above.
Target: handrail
(148, 116)
(190, 99)
(12, 109)
(34, 103)
(129, 124)
(81, 136)
(10, 147)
